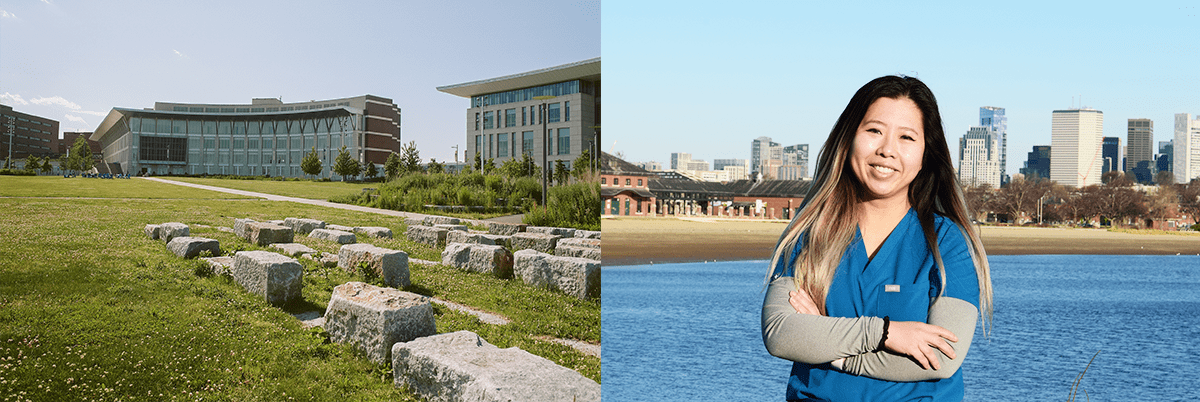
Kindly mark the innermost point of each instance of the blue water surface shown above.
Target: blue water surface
(692, 331)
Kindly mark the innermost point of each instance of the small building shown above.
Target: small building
(624, 188)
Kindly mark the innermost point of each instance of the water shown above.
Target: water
(692, 331)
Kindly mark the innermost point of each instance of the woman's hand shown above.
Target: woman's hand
(918, 341)
(803, 303)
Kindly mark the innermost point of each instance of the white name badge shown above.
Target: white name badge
(891, 288)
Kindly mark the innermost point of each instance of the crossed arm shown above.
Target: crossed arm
(795, 331)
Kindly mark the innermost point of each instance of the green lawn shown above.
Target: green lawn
(57, 186)
(300, 189)
(92, 309)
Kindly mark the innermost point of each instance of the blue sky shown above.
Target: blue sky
(708, 77)
(73, 61)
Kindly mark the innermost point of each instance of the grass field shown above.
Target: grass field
(90, 309)
(299, 189)
(57, 186)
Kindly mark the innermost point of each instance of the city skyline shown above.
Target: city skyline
(67, 60)
(786, 70)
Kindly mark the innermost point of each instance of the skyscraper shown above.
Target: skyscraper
(1141, 142)
(994, 118)
(1075, 144)
(765, 156)
(1038, 163)
(979, 157)
(1186, 160)
(1112, 154)
(795, 157)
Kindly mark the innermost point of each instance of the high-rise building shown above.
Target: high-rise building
(1186, 147)
(23, 134)
(979, 157)
(795, 156)
(1111, 150)
(1038, 163)
(684, 161)
(1075, 141)
(994, 118)
(507, 114)
(739, 169)
(765, 155)
(675, 159)
(1140, 137)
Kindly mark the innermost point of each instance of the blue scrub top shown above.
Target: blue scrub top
(858, 290)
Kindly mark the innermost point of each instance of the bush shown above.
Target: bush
(15, 172)
(573, 206)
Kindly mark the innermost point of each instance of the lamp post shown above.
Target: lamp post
(545, 147)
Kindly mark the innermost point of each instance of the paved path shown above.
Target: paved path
(321, 203)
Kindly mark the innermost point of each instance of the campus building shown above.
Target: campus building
(1075, 144)
(24, 134)
(507, 114)
(265, 137)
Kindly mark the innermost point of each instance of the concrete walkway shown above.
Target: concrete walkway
(320, 203)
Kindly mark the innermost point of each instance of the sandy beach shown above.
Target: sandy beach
(633, 241)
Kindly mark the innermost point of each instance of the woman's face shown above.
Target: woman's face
(889, 147)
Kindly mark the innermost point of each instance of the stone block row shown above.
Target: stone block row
(483, 258)
(303, 225)
(461, 366)
(374, 231)
(430, 235)
(534, 241)
(579, 277)
(477, 238)
(338, 236)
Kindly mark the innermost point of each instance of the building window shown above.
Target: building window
(503, 145)
(523, 116)
(639, 182)
(527, 142)
(603, 181)
(626, 182)
(564, 141)
(478, 147)
(567, 117)
(487, 120)
(552, 111)
(510, 118)
(476, 121)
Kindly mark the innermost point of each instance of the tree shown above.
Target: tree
(311, 164)
(372, 171)
(392, 166)
(436, 167)
(32, 163)
(1020, 197)
(81, 155)
(979, 200)
(346, 166)
(1164, 178)
(489, 166)
(8, 163)
(46, 167)
(560, 172)
(1162, 201)
(1189, 199)
(583, 165)
(478, 162)
(410, 161)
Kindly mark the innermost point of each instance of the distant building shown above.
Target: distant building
(1037, 165)
(795, 156)
(1140, 136)
(739, 169)
(1186, 145)
(23, 134)
(791, 172)
(265, 137)
(993, 117)
(765, 156)
(68, 139)
(651, 165)
(503, 120)
(979, 157)
(1111, 149)
(624, 188)
(1075, 140)
(1144, 172)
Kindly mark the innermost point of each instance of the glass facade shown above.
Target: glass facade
(527, 142)
(510, 118)
(552, 112)
(564, 141)
(525, 94)
(502, 145)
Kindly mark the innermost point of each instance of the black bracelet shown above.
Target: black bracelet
(882, 339)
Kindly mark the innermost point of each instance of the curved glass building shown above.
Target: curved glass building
(265, 137)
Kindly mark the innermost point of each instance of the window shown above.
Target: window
(135, 124)
(510, 118)
(224, 142)
(552, 112)
(527, 142)
(239, 127)
(239, 143)
(502, 145)
(162, 148)
(177, 126)
(603, 181)
(523, 116)
(478, 147)
(212, 110)
(243, 110)
(567, 115)
(564, 141)
(268, 143)
(223, 127)
(253, 127)
(193, 127)
(196, 109)
(626, 182)
(487, 120)
(252, 143)
(639, 182)
(210, 143)
(476, 121)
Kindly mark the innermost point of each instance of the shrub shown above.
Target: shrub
(575, 206)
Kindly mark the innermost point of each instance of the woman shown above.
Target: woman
(855, 297)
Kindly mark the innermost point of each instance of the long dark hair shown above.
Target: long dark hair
(828, 219)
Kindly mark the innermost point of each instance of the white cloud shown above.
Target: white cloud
(92, 113)
(6, 14)
(179, 53)
(12, 99)
(46, 1)
(76, 119)
(57, 100)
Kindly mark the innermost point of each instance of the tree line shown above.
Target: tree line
(1117, 201)
(408, 161)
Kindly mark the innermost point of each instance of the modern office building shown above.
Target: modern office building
(739, 169)
(766, 156)
(979, 157)
(1037, 165)
(1075, 141)
(1140, 137)
(265, 137)
(993, 117)
(23, 134)
(1186, 148)
(796, 158)
(684, 161)
(1111, 151)
(507, 114)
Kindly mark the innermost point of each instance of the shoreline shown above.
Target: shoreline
(640, 241)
